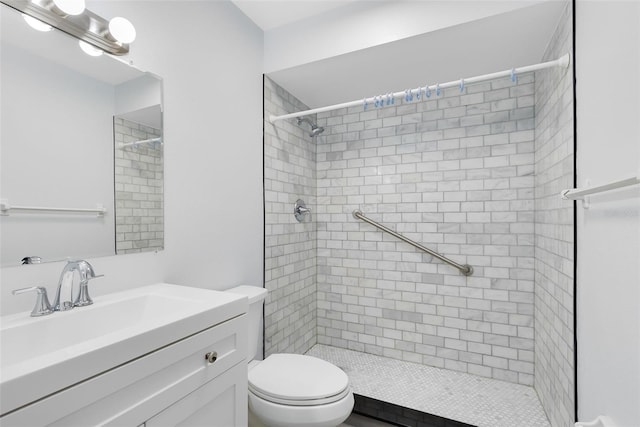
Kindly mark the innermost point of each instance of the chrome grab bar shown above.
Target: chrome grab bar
(465, 269)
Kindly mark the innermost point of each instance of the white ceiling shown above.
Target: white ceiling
(496, 43)
(270, 14)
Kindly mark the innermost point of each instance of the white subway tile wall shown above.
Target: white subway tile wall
(139, 194)
(554, 231)
(454, 173)
(290, 246)
(474, 175)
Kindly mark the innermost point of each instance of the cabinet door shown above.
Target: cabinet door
(222, 402)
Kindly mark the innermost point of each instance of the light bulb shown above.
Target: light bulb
(70, 7)
(88, 49)
(36, 24)
(122, 30)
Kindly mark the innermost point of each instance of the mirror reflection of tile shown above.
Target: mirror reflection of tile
(138, 187)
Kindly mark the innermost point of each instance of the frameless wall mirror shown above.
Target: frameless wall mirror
(81, 149)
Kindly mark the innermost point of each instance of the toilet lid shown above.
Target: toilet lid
(298, 379)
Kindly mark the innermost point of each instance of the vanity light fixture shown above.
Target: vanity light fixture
(122, 30)
(69, 7)
(88, 49)
(71, 17)
(36, 24)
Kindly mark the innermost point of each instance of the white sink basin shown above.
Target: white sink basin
(39, 356)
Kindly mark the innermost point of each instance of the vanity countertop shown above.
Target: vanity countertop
(42, 355)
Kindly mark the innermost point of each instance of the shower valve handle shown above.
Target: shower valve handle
(300, 210)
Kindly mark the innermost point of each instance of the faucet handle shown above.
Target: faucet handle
(83, 298)
(42, 307)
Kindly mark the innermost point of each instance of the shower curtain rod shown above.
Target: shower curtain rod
(563, 61)
(142, 141)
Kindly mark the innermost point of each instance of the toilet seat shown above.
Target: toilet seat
(298, 402)
(298, 380)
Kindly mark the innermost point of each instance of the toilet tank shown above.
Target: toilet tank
(256, 297)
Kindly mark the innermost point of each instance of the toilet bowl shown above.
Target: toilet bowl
(292, 390)
(289, 390)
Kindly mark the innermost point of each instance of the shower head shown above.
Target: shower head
(315, 130)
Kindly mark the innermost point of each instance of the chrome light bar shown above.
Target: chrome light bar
(87, 26)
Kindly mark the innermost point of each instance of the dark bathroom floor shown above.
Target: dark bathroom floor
(356, 420)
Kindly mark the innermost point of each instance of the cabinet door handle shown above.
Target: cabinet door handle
(211, 357)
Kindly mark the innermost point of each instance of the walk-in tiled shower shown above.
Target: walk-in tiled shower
(474, 174)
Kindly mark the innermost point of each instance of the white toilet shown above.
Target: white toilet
(292, 390)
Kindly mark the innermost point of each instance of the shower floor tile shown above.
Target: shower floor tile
(458, 396)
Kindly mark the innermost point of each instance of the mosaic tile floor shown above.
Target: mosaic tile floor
(463, 397)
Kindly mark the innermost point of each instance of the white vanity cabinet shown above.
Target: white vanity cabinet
(173, 385)
(218, 403)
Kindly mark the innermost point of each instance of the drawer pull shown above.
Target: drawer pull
(211, 357)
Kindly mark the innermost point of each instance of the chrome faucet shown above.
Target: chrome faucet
(64, 293)
(31, 260)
